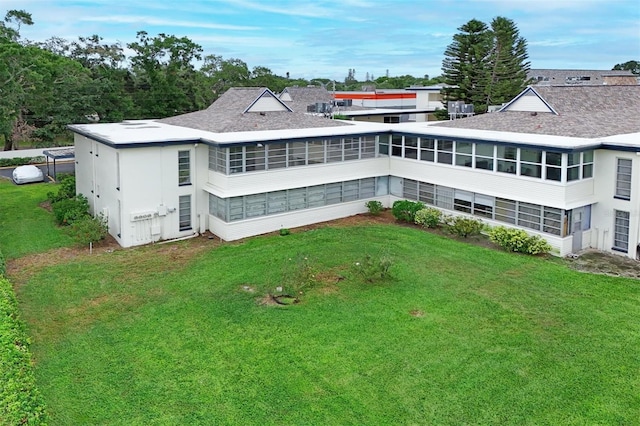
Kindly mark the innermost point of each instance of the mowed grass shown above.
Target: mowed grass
(459, 335)
(25, 227)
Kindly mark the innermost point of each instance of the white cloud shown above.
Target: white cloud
(133, 19)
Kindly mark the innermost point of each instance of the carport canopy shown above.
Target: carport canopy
(58, 154)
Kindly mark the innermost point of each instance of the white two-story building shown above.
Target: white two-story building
(560, 162)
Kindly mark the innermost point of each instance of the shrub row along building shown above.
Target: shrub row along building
(558, 161)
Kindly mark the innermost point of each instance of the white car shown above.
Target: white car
(27, 174)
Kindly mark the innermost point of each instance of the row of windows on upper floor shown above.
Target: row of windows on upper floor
(529, 162)
(241, 159)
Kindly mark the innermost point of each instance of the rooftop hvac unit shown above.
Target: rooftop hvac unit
(323, 107)
(455, 107)
(311, 108)
(467, 109)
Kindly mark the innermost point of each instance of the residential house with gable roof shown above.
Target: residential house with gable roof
(559, 162)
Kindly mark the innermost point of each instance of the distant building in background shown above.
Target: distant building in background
(413, 104)
(550, 77)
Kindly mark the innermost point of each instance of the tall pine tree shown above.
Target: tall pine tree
(465, 64)
(508, 62)
(486, 66)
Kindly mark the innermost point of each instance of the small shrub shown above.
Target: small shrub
(66, 188)
(375, 207)
(405, 210)
(463, 226)
(298, 274)
(284, 232)
(372, 269)
(69, 210)
(428, 217)
(89, 229)
(517, 240)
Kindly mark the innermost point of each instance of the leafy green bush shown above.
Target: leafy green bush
(463, 226)
(20, 161)
(429, 217)
(66, 188)
(69, 210)
(405, 210)
(284, 232)
(372, 269)
(89, 229)
(517, 240)
(20, 401)
(375, 207)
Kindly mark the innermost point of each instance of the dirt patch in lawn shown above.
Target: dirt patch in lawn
(598, 262)
(21, 269)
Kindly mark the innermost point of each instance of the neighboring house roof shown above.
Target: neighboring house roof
(575, 111)
(248, 109)
(305, 95)
(578, 77)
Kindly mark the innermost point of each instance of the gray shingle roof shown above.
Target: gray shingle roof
(556, 77)
(226, 114)
(583, 111)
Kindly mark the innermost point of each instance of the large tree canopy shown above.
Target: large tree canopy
(633, 66)
(485, 65)
(45, 86)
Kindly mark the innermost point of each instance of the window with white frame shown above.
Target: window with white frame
(427, 149)
(531, 162)
(484, 156)
(553, 166)
(587, 164)
(184, 167)
(621, 231)
(368, 147)
(623, 178)
(396, 145)
(573, 166)
(351, 148)
(255, 157)
(464, 154)
(383, 145)
(236, 157)
(411, 147)
(184, 210)
(276, 155)
(507, 159)
(445, 151)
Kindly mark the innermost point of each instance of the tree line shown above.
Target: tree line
(46, 85)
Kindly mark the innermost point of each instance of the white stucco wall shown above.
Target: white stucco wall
(603, 216)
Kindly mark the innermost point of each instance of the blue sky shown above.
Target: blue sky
(325, 38)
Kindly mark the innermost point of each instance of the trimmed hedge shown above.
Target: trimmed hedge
(20, 401)
(20, 161)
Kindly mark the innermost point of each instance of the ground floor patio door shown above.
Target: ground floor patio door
(576, 229)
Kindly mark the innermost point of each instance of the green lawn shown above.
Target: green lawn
(25, 227)
(459, 335)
